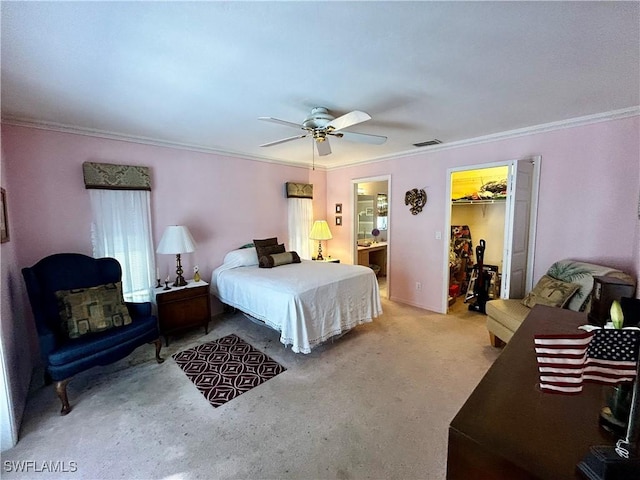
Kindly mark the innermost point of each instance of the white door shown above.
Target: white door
(519, 228)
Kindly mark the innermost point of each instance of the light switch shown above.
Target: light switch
(438, 235)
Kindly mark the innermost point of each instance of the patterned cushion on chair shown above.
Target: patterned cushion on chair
(94, 309)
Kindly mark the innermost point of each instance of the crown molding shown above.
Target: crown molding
(542, 128)
(90, 132)
(520, 132)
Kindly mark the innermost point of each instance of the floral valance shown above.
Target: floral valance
(299, 190)
(116, 177)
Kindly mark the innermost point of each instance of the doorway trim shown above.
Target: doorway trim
(9, 429)
(536, 159)
(354, 225)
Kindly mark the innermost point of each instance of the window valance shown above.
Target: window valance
(116, 177)
(299, 190)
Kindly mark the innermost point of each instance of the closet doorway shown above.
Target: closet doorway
(496, 203)
(372, 227)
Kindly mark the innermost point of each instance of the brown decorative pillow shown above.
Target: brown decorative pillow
(91, 310)
(260, 244)
(277, 259)
(271, 249)
(550, 291)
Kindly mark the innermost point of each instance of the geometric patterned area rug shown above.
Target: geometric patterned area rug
(226, 368)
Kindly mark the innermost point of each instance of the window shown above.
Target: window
(300, 224)
(121, 229)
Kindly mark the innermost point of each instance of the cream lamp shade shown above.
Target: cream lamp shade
(177, 239)
(320, 231)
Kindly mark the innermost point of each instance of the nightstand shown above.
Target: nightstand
(329, 260)
(182, 308)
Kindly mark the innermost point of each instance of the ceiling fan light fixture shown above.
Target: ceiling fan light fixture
(320, 135)
(320, 123)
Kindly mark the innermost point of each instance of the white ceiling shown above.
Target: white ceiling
(200, 74)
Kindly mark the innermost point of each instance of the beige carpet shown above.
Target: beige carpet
(374, 404)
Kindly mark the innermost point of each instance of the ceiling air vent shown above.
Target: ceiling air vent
(428, 143)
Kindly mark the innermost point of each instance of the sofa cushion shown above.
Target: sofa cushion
(509, 312)
(499, 331)
(582, 273)
(550, 291)
(89, 346)
(92, 310)
(505, 316)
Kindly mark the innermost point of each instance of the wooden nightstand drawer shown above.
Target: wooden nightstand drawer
(184, 293)
(183, 308)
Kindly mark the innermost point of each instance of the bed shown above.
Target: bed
(307, 302)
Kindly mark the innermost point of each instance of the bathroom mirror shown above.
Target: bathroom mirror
(382, 204)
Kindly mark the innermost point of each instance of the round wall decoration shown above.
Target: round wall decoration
(417, 199)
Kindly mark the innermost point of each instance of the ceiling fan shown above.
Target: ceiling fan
(320, 124)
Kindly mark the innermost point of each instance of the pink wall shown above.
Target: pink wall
(636, 248)
(226, 202)
(590, 181)
(587, 209)
(17, 336)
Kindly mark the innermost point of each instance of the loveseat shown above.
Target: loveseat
(567, 284)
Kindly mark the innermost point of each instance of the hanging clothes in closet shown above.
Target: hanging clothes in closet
(460, 258)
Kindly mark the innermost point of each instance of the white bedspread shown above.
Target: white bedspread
(306, 302)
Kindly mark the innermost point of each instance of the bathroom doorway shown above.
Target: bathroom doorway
(372, 227)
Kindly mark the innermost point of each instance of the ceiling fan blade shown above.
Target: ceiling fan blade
(323, 147)
(283, 140)
(281, 122)
(363, 137)
(348, 119)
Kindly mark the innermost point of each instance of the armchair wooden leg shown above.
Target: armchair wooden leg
(61, 390)
(158, 343)
(495, 341)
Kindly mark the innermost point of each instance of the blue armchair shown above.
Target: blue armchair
(63, 356)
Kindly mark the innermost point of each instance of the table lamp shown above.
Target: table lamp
(320, 231)
(176, 239)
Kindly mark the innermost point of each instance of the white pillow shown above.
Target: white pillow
(244, 257)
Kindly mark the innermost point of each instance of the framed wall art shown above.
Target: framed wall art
(338, 208)
(4, 222)
(339, 221)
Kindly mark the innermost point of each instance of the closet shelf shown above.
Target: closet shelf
(478, 202)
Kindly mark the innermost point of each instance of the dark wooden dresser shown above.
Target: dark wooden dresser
(509, 429)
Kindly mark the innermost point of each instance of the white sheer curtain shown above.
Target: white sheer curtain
(300, 223)
(121, 229)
